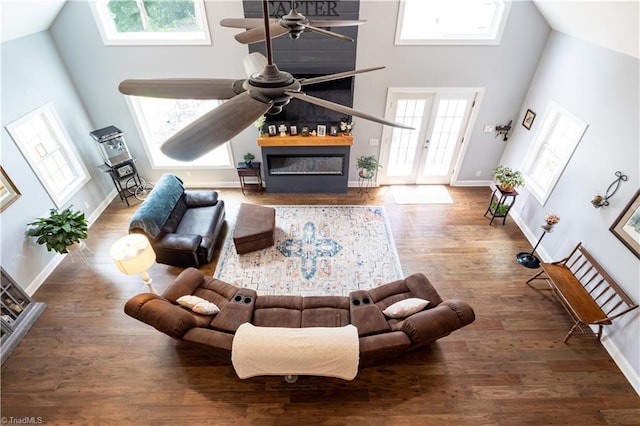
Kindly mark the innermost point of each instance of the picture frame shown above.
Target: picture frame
(529, 116)
(8, 190)
(322, 130)
(333, 131)
(272, 130)
(626, 227)
(293, 130)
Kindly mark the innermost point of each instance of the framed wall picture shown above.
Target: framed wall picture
(8, 191)
(627, 226)
(529, 116)
(333, 131)
(322, 130)
(293, 130)
(272, 130)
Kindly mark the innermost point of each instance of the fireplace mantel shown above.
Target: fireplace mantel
(340, 140)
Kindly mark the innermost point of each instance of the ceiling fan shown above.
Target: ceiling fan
(294, 23)
(266, 91)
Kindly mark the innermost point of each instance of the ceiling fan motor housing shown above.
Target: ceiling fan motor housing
(270, 85)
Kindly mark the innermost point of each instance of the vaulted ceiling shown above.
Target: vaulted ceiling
(610, 24)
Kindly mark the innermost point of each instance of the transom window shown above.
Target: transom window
(158, 119)
(48, 149)
(557, 139)
(451, 22)
(150, 22)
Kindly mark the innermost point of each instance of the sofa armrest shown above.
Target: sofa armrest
(431, 324)
(200, 198)
(186, 242)
(161, 314)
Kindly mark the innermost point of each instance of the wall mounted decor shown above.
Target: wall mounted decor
(627, 226)
(603, 200)
(8, 191)
(529, 116)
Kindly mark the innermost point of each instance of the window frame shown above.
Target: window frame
(493, 38)
(64, 145)
(110, 37)
(550, 119)
(156, 158)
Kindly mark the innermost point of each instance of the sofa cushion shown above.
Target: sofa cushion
(405, 307)
(278, 311)
(154, 211)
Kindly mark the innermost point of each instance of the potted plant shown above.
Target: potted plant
(248, 158)
(367, 164)
(259, 124)
(59, 230)
(507, 178)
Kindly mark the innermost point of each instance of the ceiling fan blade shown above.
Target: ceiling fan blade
(328, 33)
(258, 34)
(254, 62)
(182, 88)
(329, 77)
(215, 128)
(344, 109)
(247, 23)
(336, 23)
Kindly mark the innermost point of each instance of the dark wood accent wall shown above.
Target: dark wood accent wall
(312, 53)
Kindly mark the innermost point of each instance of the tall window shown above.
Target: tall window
(46, 146)
(553, 146)
(158, 119)
(451, 22)
(151, 21)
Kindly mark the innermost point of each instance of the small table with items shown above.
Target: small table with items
(127, 181)
(251, 171)
(500, 203)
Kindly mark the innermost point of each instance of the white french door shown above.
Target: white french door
(428, 154)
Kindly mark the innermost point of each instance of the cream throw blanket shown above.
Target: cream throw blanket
(313, 351)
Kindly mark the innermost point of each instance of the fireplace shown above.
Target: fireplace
(306, 169)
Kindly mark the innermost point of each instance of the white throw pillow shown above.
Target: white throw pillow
(405, 307)
(198, 304)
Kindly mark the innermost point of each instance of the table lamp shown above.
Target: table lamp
(133, 255)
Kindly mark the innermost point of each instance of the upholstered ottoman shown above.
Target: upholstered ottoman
(255, 228)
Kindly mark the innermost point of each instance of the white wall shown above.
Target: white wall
(32, 75)
(601, 87)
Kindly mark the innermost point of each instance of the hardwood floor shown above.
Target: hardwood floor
(86, 362)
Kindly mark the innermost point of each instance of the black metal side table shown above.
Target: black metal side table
(500, 203)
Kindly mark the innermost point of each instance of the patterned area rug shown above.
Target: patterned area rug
(327, 250)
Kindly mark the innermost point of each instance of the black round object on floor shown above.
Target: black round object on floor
(527, 259)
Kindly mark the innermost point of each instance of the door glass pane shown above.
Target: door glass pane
(404, 142)
(446, 133)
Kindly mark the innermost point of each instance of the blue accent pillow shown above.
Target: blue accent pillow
(155, 210)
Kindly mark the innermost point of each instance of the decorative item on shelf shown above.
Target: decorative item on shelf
(305, 131)
(504, 131)
(59, 230)
(282, 129)
(248, 158)
(313, 133)
(367, 165)
(134, 255)
(530, 260)
(272, 130)
(346, 126)
(259, 123)
(603, 200)
(507, 178)
(322, 130)
(333, 131)
(293, 130)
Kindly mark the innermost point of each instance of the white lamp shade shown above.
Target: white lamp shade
(133, 254)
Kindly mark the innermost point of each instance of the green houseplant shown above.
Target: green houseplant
(59, 230)
(367, 164)
(507, 178)
(248, 158)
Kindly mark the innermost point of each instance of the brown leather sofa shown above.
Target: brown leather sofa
(380, 338)
(182, 225)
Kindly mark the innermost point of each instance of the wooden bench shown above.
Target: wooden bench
(586, 291)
